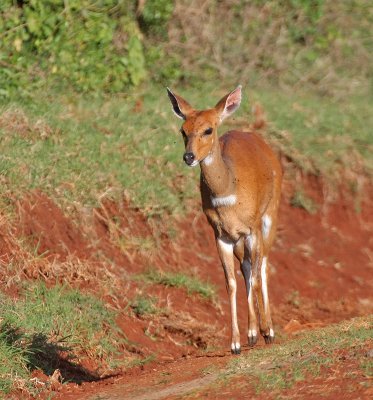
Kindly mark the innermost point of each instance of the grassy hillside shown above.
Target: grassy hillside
(78, 148)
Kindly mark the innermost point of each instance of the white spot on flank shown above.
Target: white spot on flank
(224, 201)
(208, 160)
(266, 225)
(263, 272)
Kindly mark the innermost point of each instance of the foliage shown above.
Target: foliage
(110, 45)
(154, 16)
(92, 45)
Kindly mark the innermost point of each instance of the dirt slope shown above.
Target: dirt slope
(321, 272)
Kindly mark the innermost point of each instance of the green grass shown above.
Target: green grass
(14, 361)
(140, 362)
(144, 305)
(45, 322)
(180, 280)
(281, 366)
(97, 147)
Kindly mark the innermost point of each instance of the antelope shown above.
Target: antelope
(240, 184)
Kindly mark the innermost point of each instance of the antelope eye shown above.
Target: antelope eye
(208, 131)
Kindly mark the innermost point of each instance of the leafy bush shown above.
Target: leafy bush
(94, 45)
(155, 15)
(109, 45)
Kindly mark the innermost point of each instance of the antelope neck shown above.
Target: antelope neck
(216, 174)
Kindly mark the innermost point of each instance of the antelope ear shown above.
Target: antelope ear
(229, 103)
(180, 106)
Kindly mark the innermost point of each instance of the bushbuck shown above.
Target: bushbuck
(240, 187)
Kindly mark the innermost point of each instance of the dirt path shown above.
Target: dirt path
(157, 381)
(148, 394)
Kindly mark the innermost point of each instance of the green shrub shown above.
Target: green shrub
(93, 45)
(155, 15)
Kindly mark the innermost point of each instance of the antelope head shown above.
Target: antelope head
(199, 128)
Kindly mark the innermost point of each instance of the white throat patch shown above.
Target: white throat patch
(208, 160)
(224, 201)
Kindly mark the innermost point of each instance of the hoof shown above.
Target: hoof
(236, 348)
(252, 337)
(269, 338)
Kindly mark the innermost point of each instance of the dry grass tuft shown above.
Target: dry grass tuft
(19, 262)
(14, 121)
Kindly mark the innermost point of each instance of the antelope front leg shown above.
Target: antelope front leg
(225, 250)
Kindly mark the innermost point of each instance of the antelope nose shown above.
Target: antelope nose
(188, 158)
